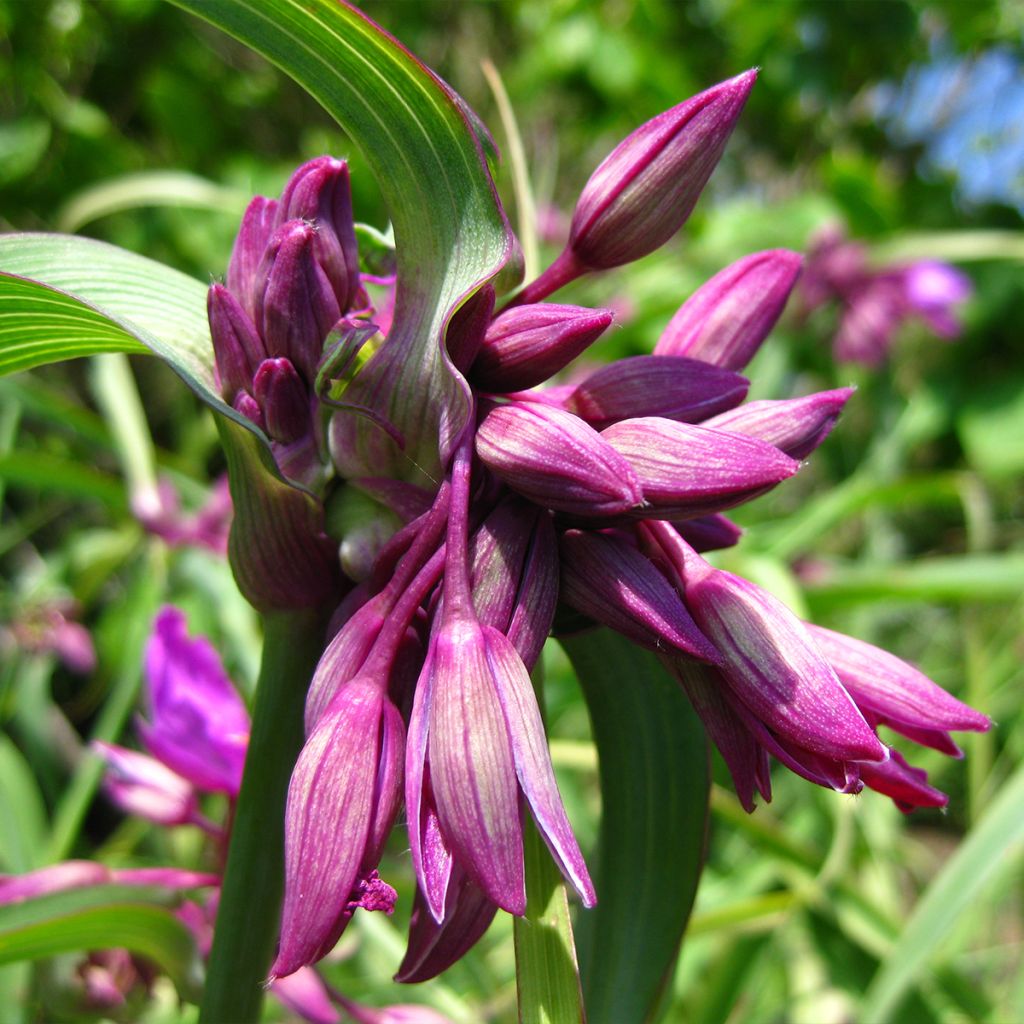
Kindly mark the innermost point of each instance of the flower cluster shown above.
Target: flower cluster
(876, 302)
(599, 495)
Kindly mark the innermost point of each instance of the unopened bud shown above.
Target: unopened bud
(644, 190)
(258, 223)
(237, 347)
(284, 400)
(528, 344)
(726, 319)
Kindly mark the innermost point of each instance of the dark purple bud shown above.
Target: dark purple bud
(468, 327)
(610, 581)
(709, 533)
(795, 425)
(295, 304)
(529, 344)
(687, 470)
(318, 192)
(556, 460)
(237, 347)
(434, 947)
(249, 408)
(284, 399)
(675, 388)
(258, 224)
(644, 190)
(726, 319)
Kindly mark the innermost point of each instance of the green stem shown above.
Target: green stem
(250, 902)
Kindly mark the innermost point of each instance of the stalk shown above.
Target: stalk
(250, 904)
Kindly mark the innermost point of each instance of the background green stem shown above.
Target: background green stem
(250, 903)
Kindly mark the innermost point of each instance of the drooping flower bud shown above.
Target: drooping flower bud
(726, 319)
(795, 425)
(319, 192)
(687, 470)
(283, 399)
(672, 387)
(295, 303)
(238, 349)
(644, 190)
(258, 223)
(556, 460)
(709, 533)
(906, 785)
(342, 801)
(528, 344)
(610, 581)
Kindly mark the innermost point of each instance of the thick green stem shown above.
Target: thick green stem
(250, 902)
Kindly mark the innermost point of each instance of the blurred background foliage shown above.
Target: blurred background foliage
(132, 123)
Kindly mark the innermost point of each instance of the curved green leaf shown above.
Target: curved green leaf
(102, 917)
(654, 794)
(451, 233)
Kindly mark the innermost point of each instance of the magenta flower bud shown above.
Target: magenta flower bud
(284, 400)
(258, 223)
(198, 725)
(237, 347)
(771, 662)
(795, 425)
(673, 388)
(434, 947)
(726, 319)
(529, 344)
(295, 303)
(319, 192)
(709, 533)
(610, 581)
(476, 741)
(139, 784)
(896, 694)
(906, 785)
(249, 408)
(342, 801)
(644, 190)
(687, 470)
(556, 460)
(514, 575)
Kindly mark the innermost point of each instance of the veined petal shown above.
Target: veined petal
(472, 770)
(533, 761)
(906, 785)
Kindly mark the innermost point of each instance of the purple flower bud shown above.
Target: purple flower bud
(671, 387)
(476, 742)
(687, 470)
(295, 303)
(796, 425)
(772, 664)
(342, 802)
(907, 786)
(726, 319)
(319, 192)
(895, 693)
(142, 786)
(249, 408)
(709, 533)
(610, 581)
(237, 347)
(199, 726)
(284, 400)
(434, 947)
(529, 344)
(556, 460)
(644, 190)
(258, 223)
(514, 575)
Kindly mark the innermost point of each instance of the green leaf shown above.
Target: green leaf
(102, 917)
(654, 792)
(22, 811)
(451, 235)
(952, 893)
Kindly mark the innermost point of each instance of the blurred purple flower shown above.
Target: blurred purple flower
(51, 629)
(160, 513)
